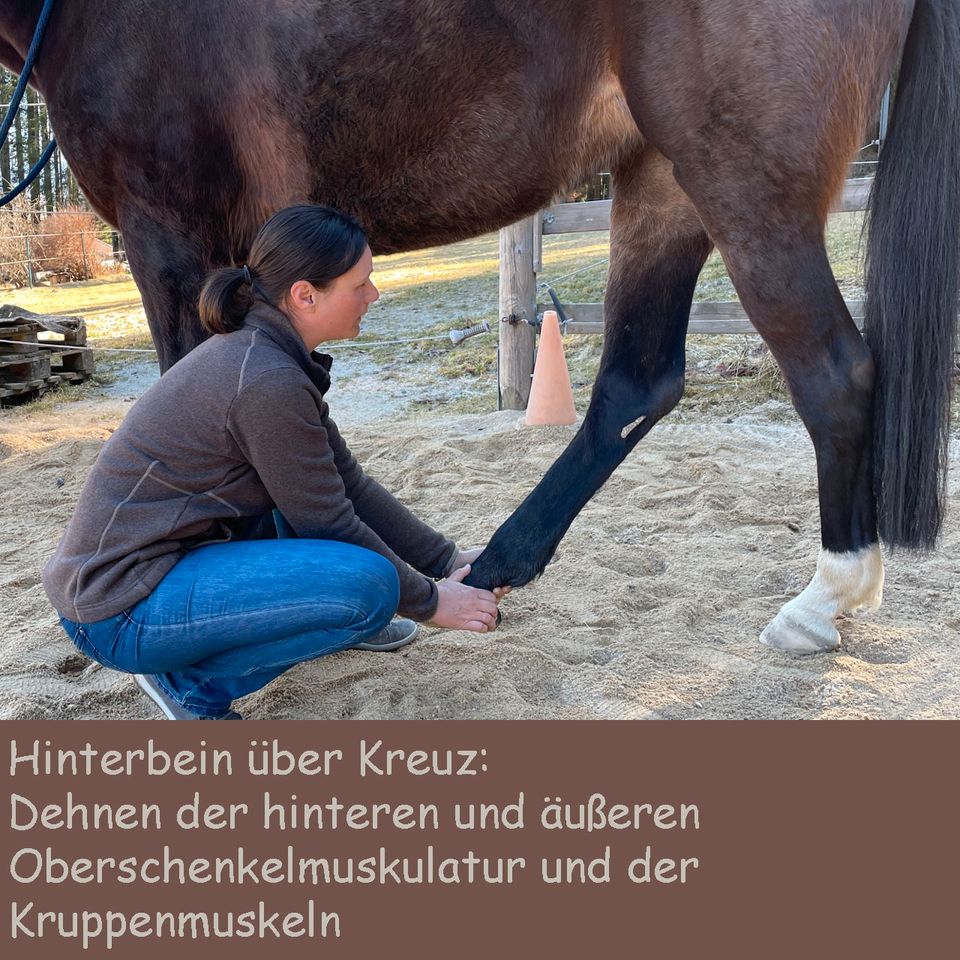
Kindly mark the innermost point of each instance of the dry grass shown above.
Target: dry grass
(17, 220)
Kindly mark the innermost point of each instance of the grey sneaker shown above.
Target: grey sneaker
(171, 709)
(396, 634)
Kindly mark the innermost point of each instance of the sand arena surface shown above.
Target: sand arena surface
(652, 607)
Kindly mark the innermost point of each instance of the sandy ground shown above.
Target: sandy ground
(652, 607)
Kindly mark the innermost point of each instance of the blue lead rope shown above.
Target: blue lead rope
(15, 104)
(31, 176)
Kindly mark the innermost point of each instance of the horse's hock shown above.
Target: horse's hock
(30, 364)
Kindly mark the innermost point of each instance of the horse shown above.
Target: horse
(726, 126)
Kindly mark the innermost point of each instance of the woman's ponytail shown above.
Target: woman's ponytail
(225, 299)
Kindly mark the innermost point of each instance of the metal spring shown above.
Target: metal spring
(458, 336)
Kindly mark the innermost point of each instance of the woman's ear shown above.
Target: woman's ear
(302, 295)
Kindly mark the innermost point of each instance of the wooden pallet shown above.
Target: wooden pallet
(40, 352)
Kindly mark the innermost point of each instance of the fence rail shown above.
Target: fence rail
(706, 317)
(594, 215)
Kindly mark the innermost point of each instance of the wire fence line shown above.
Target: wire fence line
(59, 233)
(33, 250)
(53, 261)
(83, 235)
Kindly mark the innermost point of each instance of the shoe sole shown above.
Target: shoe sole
(148, 690)
(166, 710)
(386, 647)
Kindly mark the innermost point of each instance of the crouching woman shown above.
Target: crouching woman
(226, 533)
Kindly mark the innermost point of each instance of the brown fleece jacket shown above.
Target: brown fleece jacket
(235, 429)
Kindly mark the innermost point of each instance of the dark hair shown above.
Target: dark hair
(305, 242)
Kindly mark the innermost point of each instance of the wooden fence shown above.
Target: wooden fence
(521, 262)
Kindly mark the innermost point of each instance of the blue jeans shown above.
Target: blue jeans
(231, 617)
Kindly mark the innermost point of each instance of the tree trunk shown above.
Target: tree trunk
(6, 91)
(17, 173)
(31, 107)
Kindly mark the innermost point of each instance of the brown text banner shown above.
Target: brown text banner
(461, 838)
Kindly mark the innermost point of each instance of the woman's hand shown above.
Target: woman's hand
(464, 557)
(464, 608)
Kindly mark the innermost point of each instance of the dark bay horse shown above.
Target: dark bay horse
(726, 124)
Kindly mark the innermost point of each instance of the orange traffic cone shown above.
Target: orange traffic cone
(551, 398)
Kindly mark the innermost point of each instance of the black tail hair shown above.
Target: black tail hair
(913, 263)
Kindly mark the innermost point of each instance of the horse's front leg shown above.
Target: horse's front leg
(169, 265)
(657, 249)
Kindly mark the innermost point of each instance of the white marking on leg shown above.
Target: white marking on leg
(844, 582)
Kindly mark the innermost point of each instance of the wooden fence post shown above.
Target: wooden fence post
(518, 302)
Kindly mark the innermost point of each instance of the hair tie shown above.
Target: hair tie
(247, 278)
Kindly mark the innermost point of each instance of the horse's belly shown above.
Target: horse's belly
(465, 168)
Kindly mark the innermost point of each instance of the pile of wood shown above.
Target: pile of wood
(38, 352)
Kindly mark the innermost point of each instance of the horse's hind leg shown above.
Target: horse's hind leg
(773, 246)
(658, 246)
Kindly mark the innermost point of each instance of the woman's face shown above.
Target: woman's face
(333, 313)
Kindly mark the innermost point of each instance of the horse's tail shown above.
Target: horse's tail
(913, 263)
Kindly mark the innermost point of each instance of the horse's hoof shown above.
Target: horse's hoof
(504, 566)
(813, 635)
